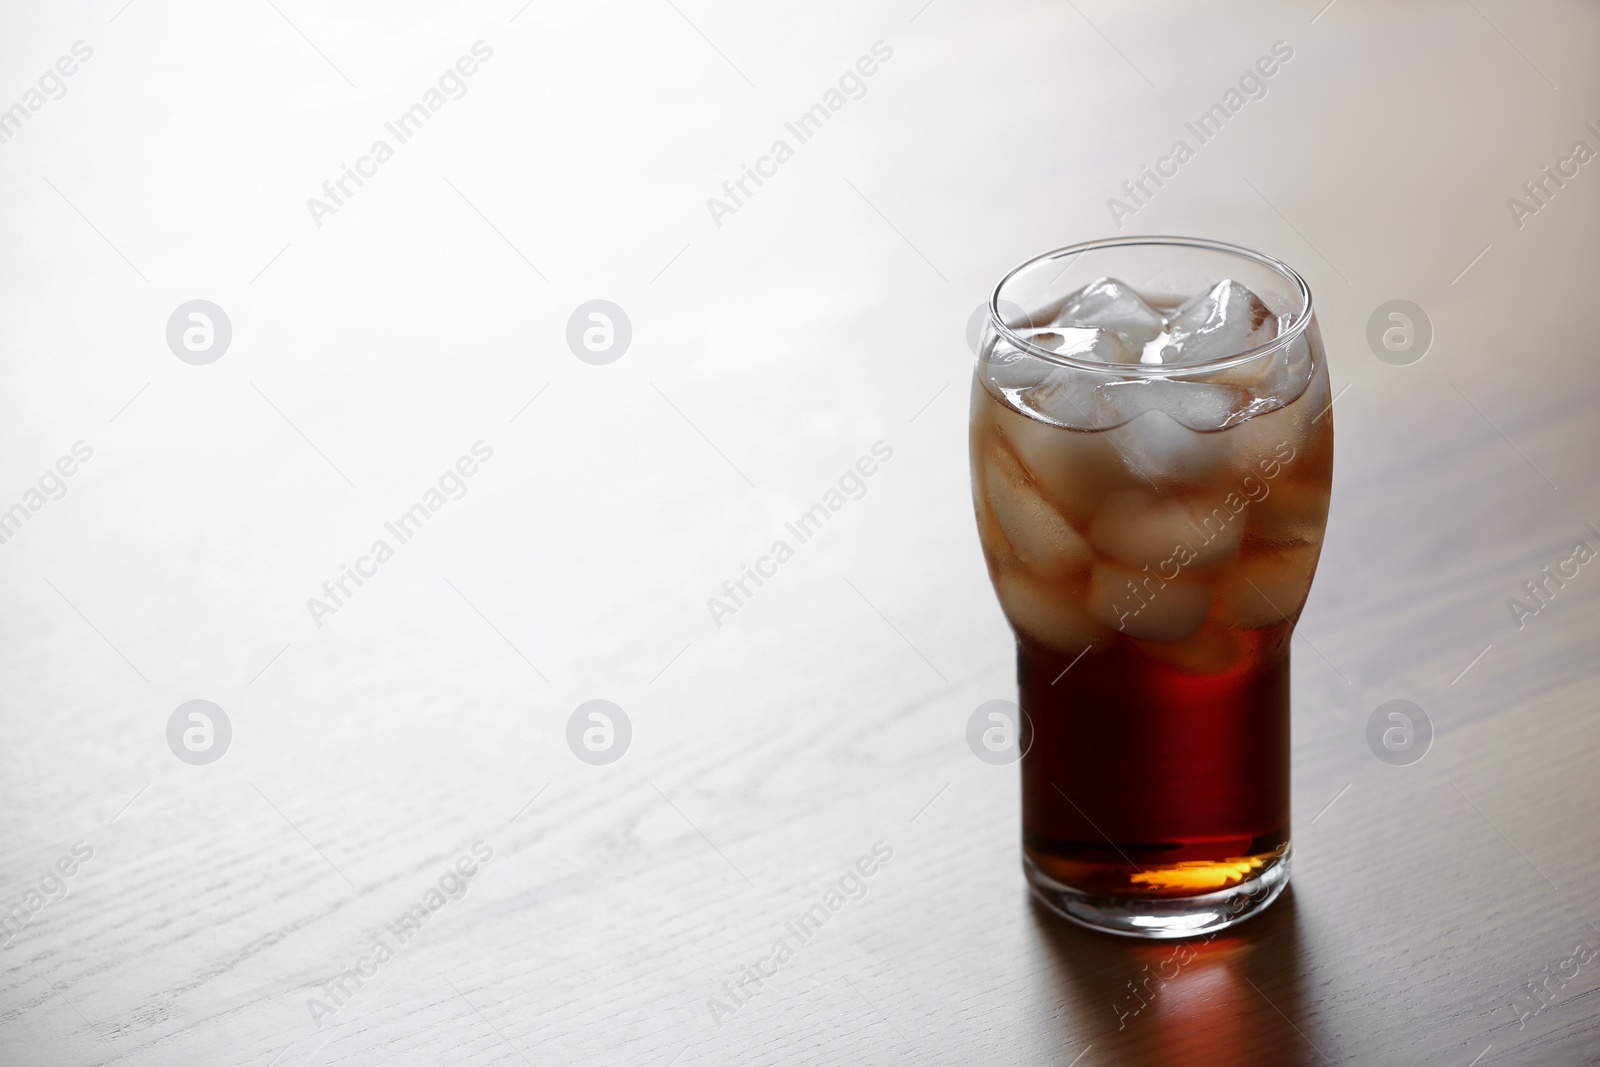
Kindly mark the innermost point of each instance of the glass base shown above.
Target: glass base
(1162, 917)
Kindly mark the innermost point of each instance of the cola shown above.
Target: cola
(1152, 518)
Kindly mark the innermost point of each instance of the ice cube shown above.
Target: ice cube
(1160, 452)
(1013, 370)
(1066, 398)
(1292, 512)
(1282, 434)
(1224, 320)
(1169, 430)
(1276, 376)
(1213, 649)
(1112, 305)
(1266, 587)
(1053, 614)
(1167, 532)
(1157, 450)
(1144, 605)
(1073, 470)
(1084, 342)
(1195, 404)
(1059, 393)
(1041, 538)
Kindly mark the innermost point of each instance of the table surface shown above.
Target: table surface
(251, 910)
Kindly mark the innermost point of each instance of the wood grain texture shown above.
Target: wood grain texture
(769, 354)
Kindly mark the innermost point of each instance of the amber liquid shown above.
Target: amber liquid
(1144, 779)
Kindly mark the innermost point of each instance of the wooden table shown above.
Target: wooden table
(232, 912)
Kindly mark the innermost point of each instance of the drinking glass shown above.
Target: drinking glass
(1152, 448)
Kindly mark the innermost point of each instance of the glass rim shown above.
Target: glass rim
(1298, 321)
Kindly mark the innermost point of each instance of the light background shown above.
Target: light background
(768, 354)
